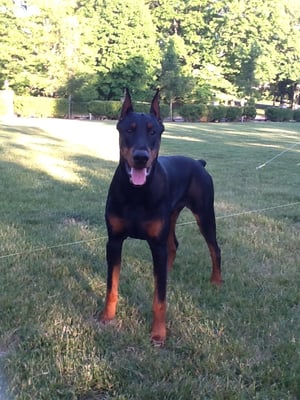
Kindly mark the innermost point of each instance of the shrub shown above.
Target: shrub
(141, 107)
(80, 108)
(297, 115)
(276, 114)
(145, 108)
(233, 113)
(216, 113)
(249, 110)
(108, 109)
(192, 112)
(26, 106)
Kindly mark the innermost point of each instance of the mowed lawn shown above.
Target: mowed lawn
(241, 341)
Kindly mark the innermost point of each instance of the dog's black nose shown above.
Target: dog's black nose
(140, 157)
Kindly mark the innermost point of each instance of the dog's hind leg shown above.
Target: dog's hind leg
(207, 225)
(172, 240)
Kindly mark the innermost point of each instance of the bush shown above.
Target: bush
(108, 109)
(276, 114)
(141, 107)
(233, 113)
(249, 110)
(216, 113)
(145, 108)
(297, 115)
(111, 109)
(26, 106)
(192, 112)
(80, 108)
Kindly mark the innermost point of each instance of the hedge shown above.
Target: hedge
(104, 109)
(297, 115)
(233, 113)
(145, 108)
(193, 112)
(249, 110)
(216, 113)
(277, 114)
(111, 109)
(25, 106)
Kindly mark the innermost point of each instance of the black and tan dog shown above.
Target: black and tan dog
(145, 198)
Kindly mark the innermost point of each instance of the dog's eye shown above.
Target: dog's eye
(131, 128)
(151, 132)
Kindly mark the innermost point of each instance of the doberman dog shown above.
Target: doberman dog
(144, 200)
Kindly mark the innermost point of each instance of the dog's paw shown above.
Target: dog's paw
(216, 281)
(158, 341)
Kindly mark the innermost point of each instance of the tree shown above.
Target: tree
(12, 52)
(93, 49)
(246, 42)
(174, 83)
(44, 47)
(128, 55)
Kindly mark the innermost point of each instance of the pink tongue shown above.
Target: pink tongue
(138, 176)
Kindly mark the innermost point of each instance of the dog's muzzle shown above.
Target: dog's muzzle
(139, 171)
(138, 177)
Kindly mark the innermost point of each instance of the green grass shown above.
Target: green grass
(238, 342)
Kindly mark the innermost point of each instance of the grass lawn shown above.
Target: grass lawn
(238, 342)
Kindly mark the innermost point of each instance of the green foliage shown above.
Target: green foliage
(173, 80)
(92, 50)
(297, 115)
(104, 109)
(30, 106)
(79, 108)
(216, 113)
(128, 54)
(25, 106)
(233, 113)
(249, 110)
(145, 108)
(202, 93)
(277, 114)
(193, 112)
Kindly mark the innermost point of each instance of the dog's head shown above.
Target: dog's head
(140, 136)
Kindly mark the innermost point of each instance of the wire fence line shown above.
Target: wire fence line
(278, 155)
(78, 242)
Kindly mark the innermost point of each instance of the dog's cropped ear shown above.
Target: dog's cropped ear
(127, 105)
(155, 110)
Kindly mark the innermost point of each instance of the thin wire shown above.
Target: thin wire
(180, 224)
(278, 155)
(247, 212)
(39, 249)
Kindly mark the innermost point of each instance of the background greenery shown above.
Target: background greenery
(239, 342)
(196, 50)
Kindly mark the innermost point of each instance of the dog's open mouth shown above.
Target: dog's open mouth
(138, 176)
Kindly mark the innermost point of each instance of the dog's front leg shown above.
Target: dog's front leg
(113, 257)
(160, 256)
